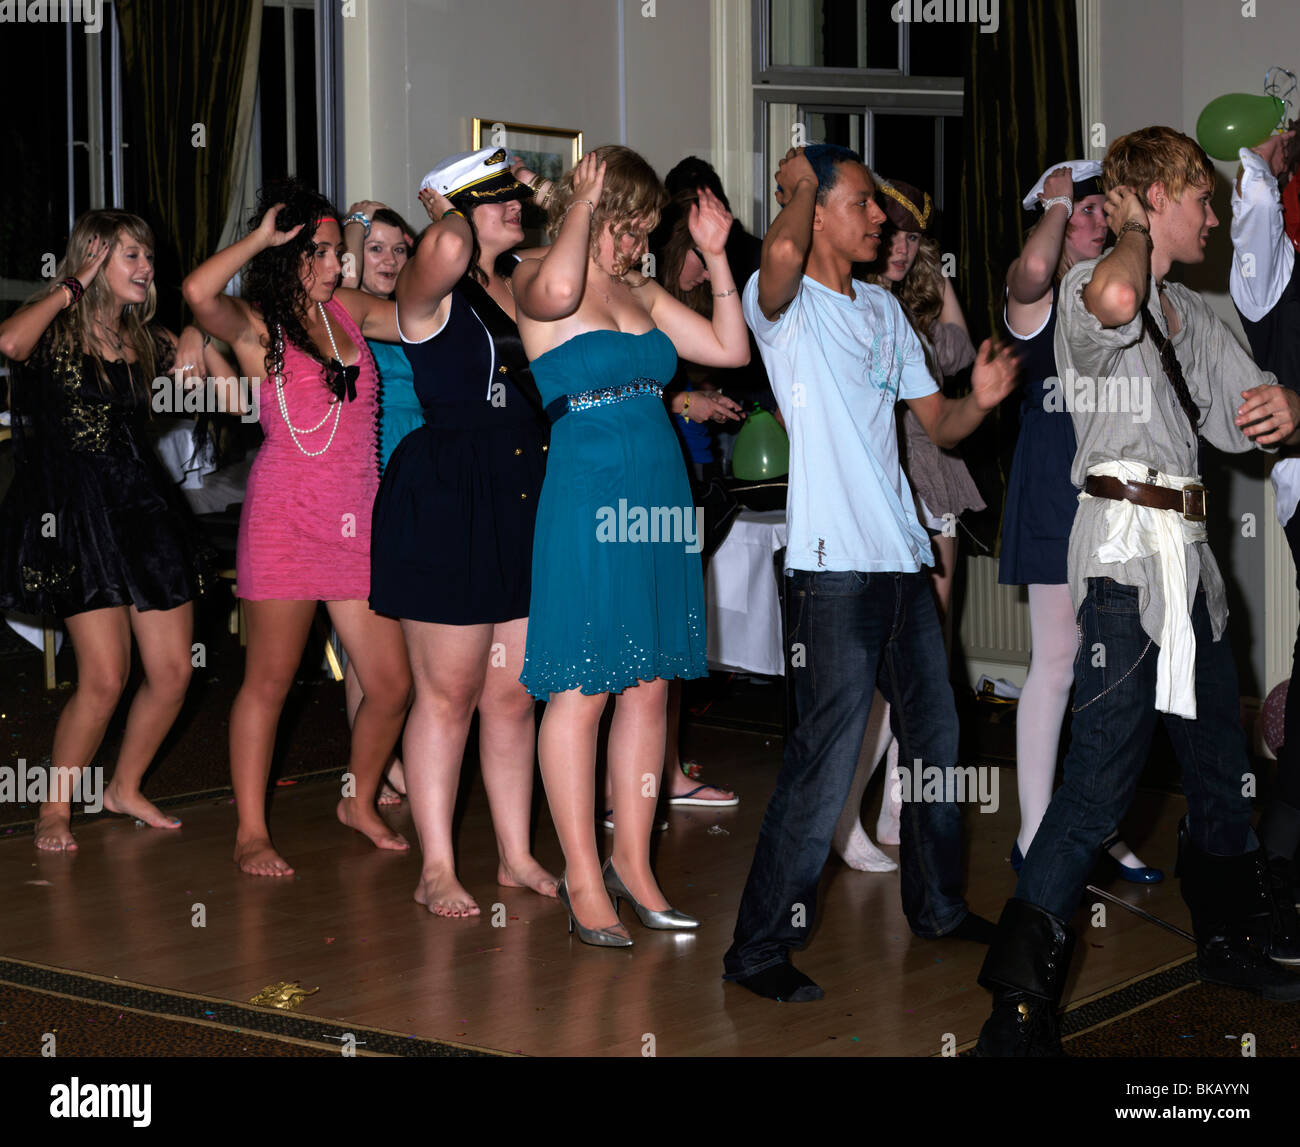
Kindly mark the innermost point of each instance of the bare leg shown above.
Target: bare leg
(277, 634)
(164, 638)
(851, 840)
(567, 752)
(389, 793)
(636, 738)
(507, 750)
(374, 645)
(449, 665)
(101, 640)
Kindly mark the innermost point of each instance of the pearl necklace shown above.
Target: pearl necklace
(336, 402)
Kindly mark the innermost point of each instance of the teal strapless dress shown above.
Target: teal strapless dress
(617, 584)
(399, 410)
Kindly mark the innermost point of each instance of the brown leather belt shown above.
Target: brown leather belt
(1188, 501)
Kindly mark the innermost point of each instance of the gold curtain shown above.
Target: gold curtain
(185, 78)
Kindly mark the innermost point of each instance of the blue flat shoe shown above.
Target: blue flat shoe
(1132, 875)
(1017, 857)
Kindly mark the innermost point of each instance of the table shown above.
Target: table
(744, 606)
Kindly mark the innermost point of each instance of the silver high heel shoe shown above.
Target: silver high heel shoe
(597, 937)
(665, 919)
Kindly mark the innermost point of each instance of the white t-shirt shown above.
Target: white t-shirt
(837, 367)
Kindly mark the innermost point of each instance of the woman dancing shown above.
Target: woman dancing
(92, 530)
(615, 609)
(304, 534)
(453, 525)
(378, 242)
(1041, 500)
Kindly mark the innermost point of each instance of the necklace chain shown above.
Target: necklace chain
(336, 402)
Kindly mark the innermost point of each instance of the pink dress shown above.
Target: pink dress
(304, 533)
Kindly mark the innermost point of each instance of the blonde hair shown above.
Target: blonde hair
(921, 290)
(630, 195)
(1156, 155)
(72, 331)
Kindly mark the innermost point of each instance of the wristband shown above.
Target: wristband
(577, 203)
(74, 288)
(453, 211)
(1069, 204)
(359, 217)
(724, 294)
(1134, 225)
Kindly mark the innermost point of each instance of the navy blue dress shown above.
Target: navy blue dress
(1041, 499)
(452, 532)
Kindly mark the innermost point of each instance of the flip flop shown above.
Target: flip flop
(690, 798)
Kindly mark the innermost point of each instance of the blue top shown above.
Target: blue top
(837, 366)
(399, 409)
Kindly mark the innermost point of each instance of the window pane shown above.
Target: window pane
(939, 48)
(903, 148)
(843, 127)
(833, 34)
(304, 95)
(270, 86)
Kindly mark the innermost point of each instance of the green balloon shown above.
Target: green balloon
(762, 449)
(1237, 120)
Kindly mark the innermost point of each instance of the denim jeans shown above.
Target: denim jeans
(1114, 716)
(851, 632)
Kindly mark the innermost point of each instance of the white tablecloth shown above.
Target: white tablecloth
(741, 587)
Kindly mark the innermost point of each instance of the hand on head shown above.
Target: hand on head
(1059, 184)
(588, 179)
(96, 252)
(366, 207)
(790, 172)
(436, 205)
(268, 231)
(1123, 206)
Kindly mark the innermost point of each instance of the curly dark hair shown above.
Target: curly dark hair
(272, 280)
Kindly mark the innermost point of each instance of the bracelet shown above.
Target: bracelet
(453, 211)
(359, 217)
(724, 294)
(578, 202)
(1069, 204)
(1134, 225)
(686, 407)
(74, 288)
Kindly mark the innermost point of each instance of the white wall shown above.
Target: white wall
(416, 72)
(1162, 61)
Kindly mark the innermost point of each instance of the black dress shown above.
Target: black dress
(93, 519)
(452, 536)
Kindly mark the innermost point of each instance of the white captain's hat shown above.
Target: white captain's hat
(1085, 173)
(476, 177)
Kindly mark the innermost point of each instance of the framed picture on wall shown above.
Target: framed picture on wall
(548, 151)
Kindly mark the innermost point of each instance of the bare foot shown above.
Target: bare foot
(527, 874)
(443, 895)
(134, 804)
(54, 832)
(256, 857)
(393, 789)
(370, 824)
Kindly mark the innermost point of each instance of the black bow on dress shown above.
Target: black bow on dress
(342, 379)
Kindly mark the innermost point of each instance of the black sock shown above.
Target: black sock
(783, 983)
(974, 928)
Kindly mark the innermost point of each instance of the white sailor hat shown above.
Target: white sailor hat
(1086, 174)
(481, 176)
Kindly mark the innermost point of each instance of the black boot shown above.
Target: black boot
(1025, 970)
(1279, 833)
(1232, 916)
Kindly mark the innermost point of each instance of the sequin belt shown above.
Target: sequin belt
(604, 396)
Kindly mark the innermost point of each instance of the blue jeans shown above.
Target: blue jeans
(1114, 716)
(849, 633)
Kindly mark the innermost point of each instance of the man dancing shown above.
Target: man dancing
(1150, 600)
(839, 354)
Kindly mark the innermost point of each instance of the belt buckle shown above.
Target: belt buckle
(1196, 490)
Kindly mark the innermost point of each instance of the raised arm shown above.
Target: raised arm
(1119, 282)
(725, 340)
(22, 330)
(222, 315)
(789, 239)
(376, 317)
(1029, 278)
(1264, 255)
(354, 240)
(552, 288)
(439, 263)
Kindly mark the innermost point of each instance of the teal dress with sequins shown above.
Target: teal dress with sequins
(617, 583)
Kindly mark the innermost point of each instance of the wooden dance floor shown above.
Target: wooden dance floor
(124, 906)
